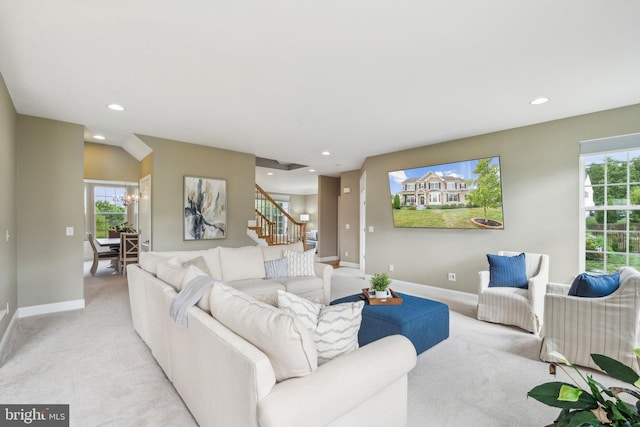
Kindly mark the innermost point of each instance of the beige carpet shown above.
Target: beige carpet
(94, 361)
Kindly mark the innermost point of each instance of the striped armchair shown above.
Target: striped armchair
(576, 327)
(523, 308)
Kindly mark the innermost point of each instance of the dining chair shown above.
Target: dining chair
(100, 253)
(129, 249)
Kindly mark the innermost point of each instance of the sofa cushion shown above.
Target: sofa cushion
(507, 271)
(276, 268)
(594, 286)
(300, 285)
(149, 261)
(242, 263)
(300, 264)
(257, 286)
(334, 328)
(279, 335)
(277, 251)
(212, 257)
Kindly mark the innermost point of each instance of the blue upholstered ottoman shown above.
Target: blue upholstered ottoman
(423, 321)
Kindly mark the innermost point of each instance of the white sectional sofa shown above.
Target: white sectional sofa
(226, 379)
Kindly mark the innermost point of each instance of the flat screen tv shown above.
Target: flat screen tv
(465, 194)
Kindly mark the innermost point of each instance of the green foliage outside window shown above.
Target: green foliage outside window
(108, 216)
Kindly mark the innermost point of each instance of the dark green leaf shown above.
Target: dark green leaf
(548, 394)
(615, 369)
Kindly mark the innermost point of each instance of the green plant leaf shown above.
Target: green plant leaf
(580, 418)
(549, 394)
(569, 393)
(616, 369)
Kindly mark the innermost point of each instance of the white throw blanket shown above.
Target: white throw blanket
(188, 297)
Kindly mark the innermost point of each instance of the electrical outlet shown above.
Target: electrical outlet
(390, 267)
(452, 277)
(346, 253)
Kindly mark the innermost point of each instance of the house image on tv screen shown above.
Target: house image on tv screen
(465, 194)
(433, 189)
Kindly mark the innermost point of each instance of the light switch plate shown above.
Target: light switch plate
(69, 231)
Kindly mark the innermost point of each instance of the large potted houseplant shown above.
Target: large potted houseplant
(379, 283)
(597, 405)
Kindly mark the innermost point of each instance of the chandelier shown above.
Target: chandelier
(126, 199)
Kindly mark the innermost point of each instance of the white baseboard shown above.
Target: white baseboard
(349, 264)
(6, 338)
(36, 310)
(327, 259)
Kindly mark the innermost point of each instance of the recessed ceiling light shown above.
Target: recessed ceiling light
(115, 107)
(99, 137)
(326, 153)
(312, 170)
(539, 101)
(269, 173)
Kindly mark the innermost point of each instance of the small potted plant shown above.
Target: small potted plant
(379, 283)
(125, 227)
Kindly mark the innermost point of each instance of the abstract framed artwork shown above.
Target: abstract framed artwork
(205, 208)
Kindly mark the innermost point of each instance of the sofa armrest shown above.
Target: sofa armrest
(558, 288)
(483, 281)
(324, 271)
(341, 385)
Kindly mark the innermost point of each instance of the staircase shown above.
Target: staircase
(274, 226)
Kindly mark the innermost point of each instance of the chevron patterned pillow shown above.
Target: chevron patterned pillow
(334, 328)
(300, 264)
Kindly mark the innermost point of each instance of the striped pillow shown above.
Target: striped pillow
(276, 268)
(334, 328)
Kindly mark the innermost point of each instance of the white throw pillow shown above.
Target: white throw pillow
(192, 273)
(300, 264)
(279, 335)
(172, 274)
(242, 263)
(334, 327)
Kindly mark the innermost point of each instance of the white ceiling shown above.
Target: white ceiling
(288, 79)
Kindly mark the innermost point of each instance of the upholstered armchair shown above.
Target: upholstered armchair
(518, 306)
(577, 326)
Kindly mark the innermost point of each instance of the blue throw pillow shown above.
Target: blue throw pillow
(507, 271)
(590, 286)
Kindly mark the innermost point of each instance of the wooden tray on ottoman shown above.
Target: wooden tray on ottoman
(394, 300)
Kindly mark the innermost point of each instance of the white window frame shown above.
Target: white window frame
(604, 147)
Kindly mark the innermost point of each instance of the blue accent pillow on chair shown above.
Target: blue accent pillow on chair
(507, 271)
(590, 286)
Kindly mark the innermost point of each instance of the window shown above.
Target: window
(434, 186)
(410, 187)
(109, 209)
(451, 186)
(611, 200)
(453, 197)
(434, 198)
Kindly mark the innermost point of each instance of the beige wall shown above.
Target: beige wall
(110, 163)
(50, 185)
(8, 220)
(328, 192)
(349, 238)
(172, 161)
(541, 192)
